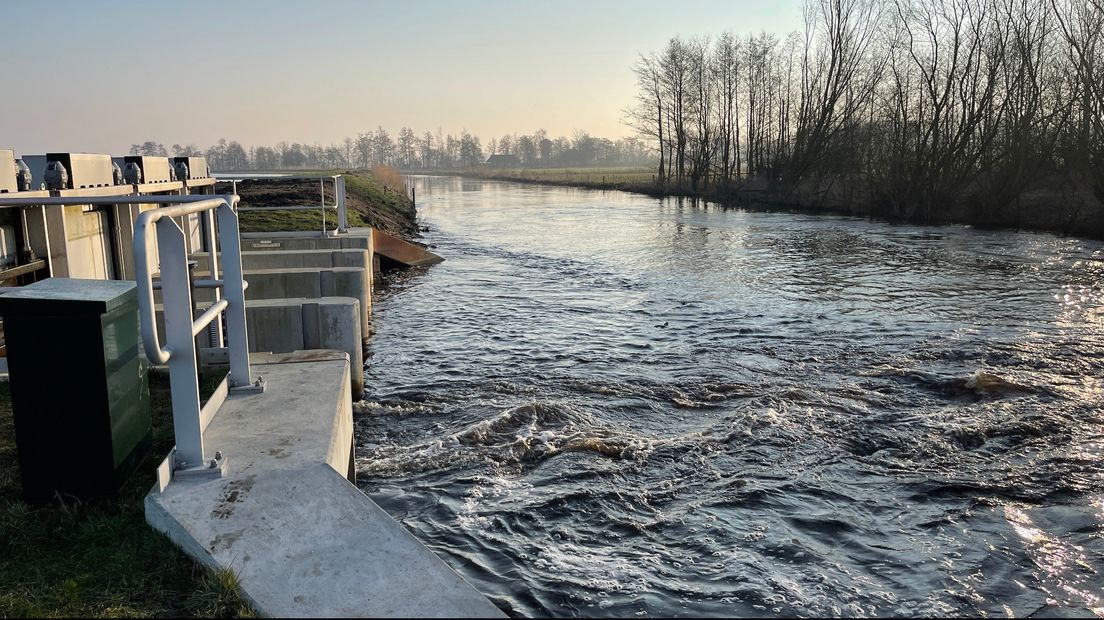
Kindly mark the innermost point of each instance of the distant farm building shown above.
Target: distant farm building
(504, 161)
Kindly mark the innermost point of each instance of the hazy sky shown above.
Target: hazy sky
(99, 76)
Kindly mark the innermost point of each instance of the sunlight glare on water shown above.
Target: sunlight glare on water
(604, 404)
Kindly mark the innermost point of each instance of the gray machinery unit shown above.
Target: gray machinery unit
(81, 170)
(191, 168)
(37, 164)
(154, 169)
(8, 182)
(56, 176)
(23, 176)
(132, 173)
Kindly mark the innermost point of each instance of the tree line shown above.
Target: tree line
(912, 108)
(409, 150)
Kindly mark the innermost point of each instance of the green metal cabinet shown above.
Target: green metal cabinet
(80, 396)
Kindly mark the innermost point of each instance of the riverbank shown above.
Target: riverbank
(1046, 205)
(100, 558)
(375, 198)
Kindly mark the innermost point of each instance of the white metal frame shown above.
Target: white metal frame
(179, 352)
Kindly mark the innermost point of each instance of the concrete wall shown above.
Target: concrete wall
(296, 259)
(358, 239)
(311, 284)
(285, 325)
(80, 243)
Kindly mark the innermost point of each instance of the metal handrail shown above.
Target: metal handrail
(150, 339)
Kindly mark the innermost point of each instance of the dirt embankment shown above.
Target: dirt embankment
(369, 201)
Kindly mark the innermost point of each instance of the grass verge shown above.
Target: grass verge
(624, 178)
(375, 198)
(99, 558)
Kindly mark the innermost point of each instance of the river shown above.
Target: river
(605, 404)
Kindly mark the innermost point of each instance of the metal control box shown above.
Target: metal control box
(80, 396)
(85, 169)
(154, 169)
(197, 167)
(8, 182)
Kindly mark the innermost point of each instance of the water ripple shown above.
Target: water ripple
(608, 405)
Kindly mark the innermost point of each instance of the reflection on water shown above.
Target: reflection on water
(609, 405)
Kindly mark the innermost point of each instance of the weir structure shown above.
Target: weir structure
(260, 479)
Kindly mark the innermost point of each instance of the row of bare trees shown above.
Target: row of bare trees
(912, 108)
(409, 150)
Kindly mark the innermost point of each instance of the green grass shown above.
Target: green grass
(598, 177)
(99, 558)
(275, 221)
(370, 203)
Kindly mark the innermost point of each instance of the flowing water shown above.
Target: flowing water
(604, 404)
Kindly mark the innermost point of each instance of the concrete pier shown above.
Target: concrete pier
(302, 539)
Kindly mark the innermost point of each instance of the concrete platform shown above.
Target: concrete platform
(302, 539)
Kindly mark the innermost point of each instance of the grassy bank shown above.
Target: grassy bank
(100, 558)
(635, 179)
(374, 198)
(598, 178)
(1045, 206)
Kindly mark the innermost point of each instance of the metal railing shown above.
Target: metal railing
(339, 205)
(190, 417)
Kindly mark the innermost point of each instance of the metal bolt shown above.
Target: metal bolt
(213, 464)
(218, 455)
(259, 381)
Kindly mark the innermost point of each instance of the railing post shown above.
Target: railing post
(322, 187)
(342, 214)
(213, 264)
(183, 371)
(236, 335)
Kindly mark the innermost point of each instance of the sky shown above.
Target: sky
(86, 76)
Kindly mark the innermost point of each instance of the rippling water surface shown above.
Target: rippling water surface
(603, 404)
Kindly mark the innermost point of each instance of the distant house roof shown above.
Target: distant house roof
(504, 161)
